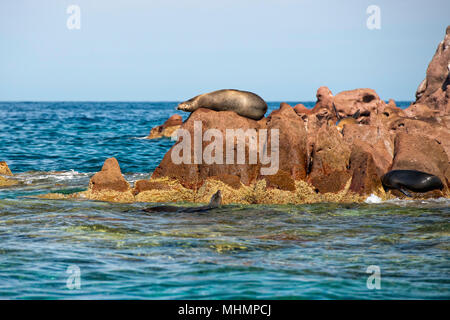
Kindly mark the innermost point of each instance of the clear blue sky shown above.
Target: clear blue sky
(155, 50)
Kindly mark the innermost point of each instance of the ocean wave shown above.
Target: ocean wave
(32, 177)
(374, 199)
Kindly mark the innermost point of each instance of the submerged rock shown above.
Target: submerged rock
(4, 182)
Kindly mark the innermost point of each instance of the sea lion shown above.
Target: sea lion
(412, 180)
(244, 103)
(215, 202)
(342, 121)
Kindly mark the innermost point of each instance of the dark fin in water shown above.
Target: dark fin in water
(356, 114)
(406, 193)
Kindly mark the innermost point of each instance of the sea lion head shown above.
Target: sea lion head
(188, 105)
(435, 181)
(216, 199)
(185, 106)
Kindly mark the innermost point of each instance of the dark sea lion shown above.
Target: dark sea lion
(412, 180)
(215, 202)
(244, 103)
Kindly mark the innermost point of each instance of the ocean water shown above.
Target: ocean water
(319, 251)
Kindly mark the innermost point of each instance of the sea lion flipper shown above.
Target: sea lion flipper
(405, 192)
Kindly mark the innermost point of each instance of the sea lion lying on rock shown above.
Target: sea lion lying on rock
(244, 103)
(215, 202)
(412, 180)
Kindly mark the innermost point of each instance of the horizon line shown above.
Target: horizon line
(158, 101)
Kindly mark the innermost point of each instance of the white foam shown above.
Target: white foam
(373, 199)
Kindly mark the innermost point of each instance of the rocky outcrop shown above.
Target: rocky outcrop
(109, 178)
(366, 101)
(418, 152)
(373, 139)
(109, 184)
(315, 161)
(314, 151)
(194, 171)
(329, 161)
(147, 185)
(365, 178)
(434, 90)
(323, 110)
(292, 140)
(166, 129)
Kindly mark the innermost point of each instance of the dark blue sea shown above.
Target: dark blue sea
(60, 249)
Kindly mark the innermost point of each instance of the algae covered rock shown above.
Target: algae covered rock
(4, 169)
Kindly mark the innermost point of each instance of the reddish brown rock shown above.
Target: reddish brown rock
(166, 129)
(231, 180)
(365, 178)
(325, 99)
(292, 140)
(301, 110)
(281, 180)
(146, 185)
(418, 152)
(429, 128)
(391, 110)
(374, 140)
(323, 109)
(193, 174)
(4, 169)
(366, 101)
(434, 90)
(174, 120)
(329, 161)
(420, 110)
(109, 178)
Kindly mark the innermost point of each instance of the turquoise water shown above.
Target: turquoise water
(316, 251)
